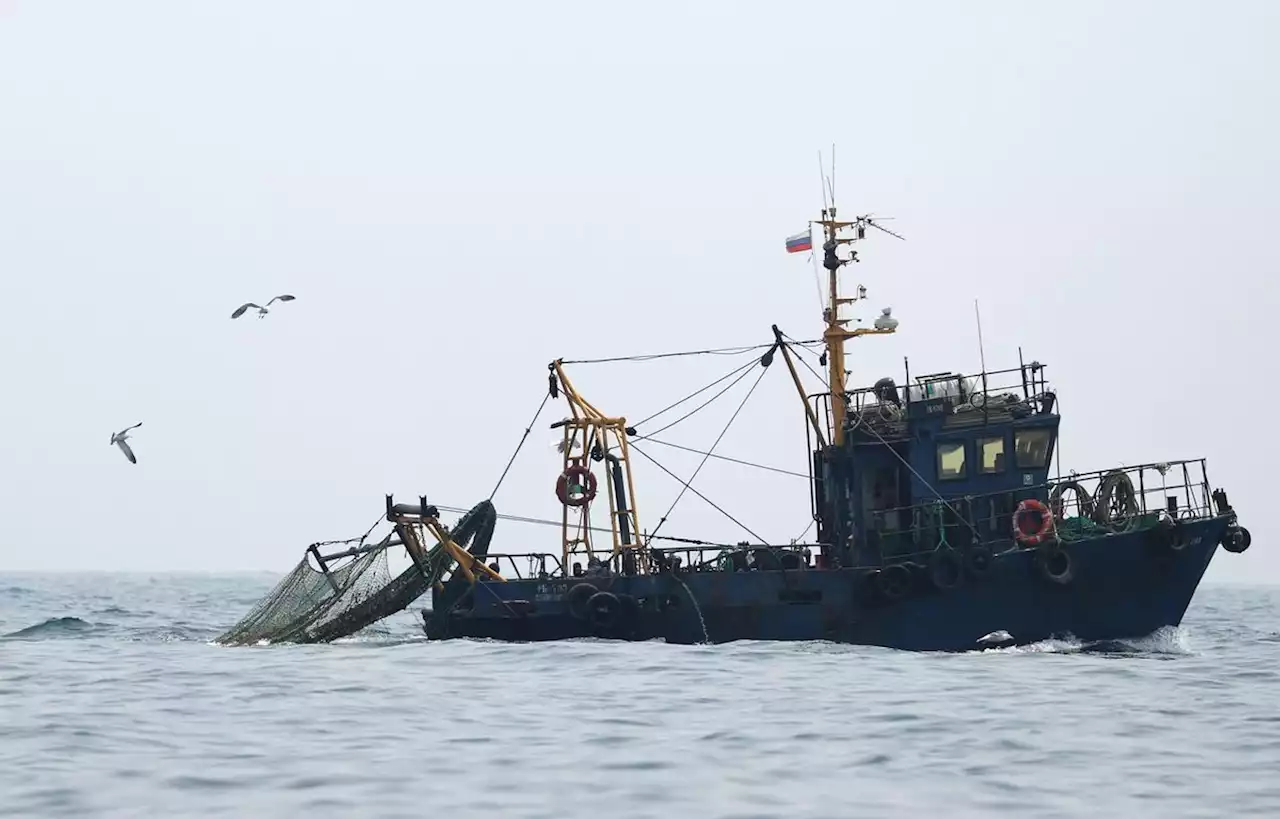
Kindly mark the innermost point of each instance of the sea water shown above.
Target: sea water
(114, 703)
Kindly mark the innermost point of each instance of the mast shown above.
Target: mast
(836, 333)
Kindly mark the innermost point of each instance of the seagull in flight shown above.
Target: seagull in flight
(262, 311)
(119, 438)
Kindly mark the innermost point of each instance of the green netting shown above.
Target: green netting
(305, 607)
(296, 600)
(1073, 529)
(375, 596)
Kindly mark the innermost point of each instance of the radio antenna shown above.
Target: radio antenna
(982, 356)
(822, 182)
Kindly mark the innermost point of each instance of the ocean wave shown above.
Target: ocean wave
(52, 628)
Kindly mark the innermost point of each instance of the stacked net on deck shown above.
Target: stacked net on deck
(305, 607)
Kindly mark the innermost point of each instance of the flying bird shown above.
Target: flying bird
(262, 311)
(119, 438)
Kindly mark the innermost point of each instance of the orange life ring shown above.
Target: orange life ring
(576, 473)
(1034, 534)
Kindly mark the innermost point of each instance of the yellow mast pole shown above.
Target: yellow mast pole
(835, 333)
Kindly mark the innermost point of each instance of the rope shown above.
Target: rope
(707, 456)
(734, 383)
(804, 345)
(349, 540)
(721, 457)
(942, 526)
(699, 494)
(816, 374)
(805, 532)
(558, 524)
(655, 356)
(693, 394)
(546, 397)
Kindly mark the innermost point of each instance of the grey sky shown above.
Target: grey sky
(458, 193)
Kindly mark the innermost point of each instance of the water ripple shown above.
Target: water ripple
(113, 703)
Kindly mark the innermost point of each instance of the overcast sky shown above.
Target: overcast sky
(459, 193)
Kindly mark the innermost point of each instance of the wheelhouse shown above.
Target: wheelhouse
(937, 445)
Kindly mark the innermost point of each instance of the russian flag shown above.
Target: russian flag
(800, 242)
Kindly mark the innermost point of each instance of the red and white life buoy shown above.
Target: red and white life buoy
(1027, 530)
(581, 481)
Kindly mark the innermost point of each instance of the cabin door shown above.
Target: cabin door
(880, 493)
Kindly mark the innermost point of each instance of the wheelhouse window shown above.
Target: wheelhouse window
(951, 464)
(991, 455)
(1032, 447)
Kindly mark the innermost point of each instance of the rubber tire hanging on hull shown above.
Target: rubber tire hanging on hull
(610, 614)
(1055, 564)
(977, 561)
(891, 582)
(577, 599)
(1237, 540)
(946, 569)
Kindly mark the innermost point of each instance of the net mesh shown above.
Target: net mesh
(305, 607)
(300, 596)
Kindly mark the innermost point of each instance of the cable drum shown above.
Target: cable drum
(1084, 504)
(1117, 503)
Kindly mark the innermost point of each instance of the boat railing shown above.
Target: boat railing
(887, 406)
(535, 565)
(1083, 505)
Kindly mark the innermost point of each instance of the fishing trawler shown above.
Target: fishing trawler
(937, 525)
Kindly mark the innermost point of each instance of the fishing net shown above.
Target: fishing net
(295, 600)
(305, 607)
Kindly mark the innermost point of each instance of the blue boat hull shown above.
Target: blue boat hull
(1123, 585)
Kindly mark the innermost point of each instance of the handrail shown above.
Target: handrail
(1140, 490)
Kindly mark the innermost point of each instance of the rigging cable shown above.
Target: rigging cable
(350, 540)
(722, 457)
(763, 369)
(801, 345)
(557, 523)
(655, 356)
(712, 503)
(816, 374)
(742, 374)
(725, 377)
(546, 397)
